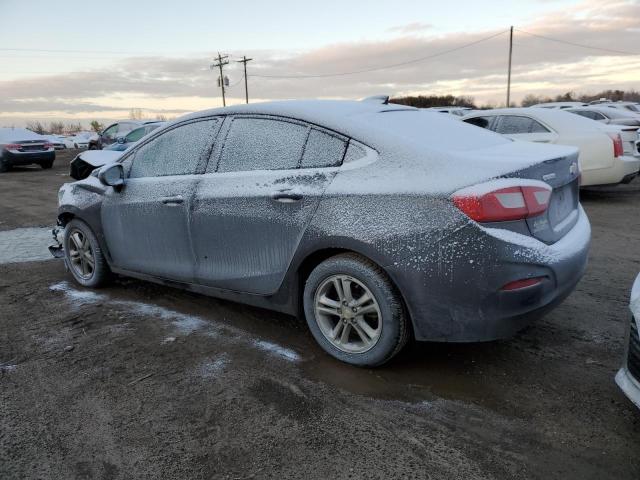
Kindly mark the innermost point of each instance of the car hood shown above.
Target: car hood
(98, 158)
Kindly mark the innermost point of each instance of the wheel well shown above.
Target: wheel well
(65, 218)
(313, 260)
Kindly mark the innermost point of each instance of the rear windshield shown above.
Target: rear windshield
(435, 130)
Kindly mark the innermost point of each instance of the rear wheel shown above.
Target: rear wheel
(46, 164)
(354, 312)
(4, 166)
(84, 256)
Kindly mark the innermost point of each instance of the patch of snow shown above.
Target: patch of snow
(635, 300)
(280, 351)
(212, 367)
(8, 368)
(184, 324)
(25, 245)
(77, 296)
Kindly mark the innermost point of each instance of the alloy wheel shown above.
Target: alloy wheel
(81, 254)
(348, 314)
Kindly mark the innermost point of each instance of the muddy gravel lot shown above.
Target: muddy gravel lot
(142, 381)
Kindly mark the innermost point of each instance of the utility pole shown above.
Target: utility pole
(221, 61)
(246, 88)
(509, 74)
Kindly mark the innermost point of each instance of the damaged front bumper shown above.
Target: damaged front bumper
(57, 249)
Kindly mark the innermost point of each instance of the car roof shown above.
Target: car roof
(382, 126)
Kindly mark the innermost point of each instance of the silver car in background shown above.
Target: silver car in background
(628, 377)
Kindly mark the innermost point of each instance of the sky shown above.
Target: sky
(79, 60)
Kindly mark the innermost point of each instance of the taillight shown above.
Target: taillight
(493, 202)
(12, 146)
(618, 148)
(47, 146)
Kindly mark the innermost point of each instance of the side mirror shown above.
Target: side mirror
(112, 176)
(120, 140)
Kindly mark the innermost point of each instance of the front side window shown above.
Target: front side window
(175, 152)
(262, 144)
(136, 135)
(323, 150)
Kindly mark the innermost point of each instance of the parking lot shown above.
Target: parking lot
(142, 381)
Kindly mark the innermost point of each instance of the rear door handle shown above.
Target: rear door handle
(286, 196)
(177, 200)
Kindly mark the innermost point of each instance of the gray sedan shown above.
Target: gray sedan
(377, 223)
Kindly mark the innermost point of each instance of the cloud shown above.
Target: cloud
(411, 28)
(539, 66)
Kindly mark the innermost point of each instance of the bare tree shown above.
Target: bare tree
(136, 114)
(73, 127)
(36, 126)
(161, 117)
(56, 128)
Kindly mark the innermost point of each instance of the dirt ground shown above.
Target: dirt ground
(142, 381)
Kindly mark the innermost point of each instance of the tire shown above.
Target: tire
(46, 164)
(4, 167)
(386, 318)
(86, 275)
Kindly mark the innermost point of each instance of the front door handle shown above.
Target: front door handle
(286, 196)
(172, 201)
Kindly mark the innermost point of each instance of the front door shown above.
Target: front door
(146, 224)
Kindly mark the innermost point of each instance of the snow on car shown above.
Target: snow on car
(19, 146)
(602, 158)
(628, 377)
(376, 222)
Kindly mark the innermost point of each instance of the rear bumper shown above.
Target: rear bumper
(457, 296)
(624, 168)
(28, 158)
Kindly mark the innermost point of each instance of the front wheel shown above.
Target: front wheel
(354, 312)
(84, 256)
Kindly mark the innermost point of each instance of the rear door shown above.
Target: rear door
(522, 127)
(260, 191)
(146, 224)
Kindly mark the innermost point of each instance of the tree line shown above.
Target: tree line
(426, 101)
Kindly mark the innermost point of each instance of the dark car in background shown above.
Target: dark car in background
(353, 215)
(114, 131)
(134, 136)
(19, 146)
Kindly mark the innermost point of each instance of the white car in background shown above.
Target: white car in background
(628, 377)
(602, 158)
(55, 140)
(81, 139)
(559, 105)
(632, 107)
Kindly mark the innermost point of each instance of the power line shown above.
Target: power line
(385, 67)
(591, 47)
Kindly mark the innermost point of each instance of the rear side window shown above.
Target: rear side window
(511, 125)
(262, 144)
(175, 152)
(482, 122)
(323, 150)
